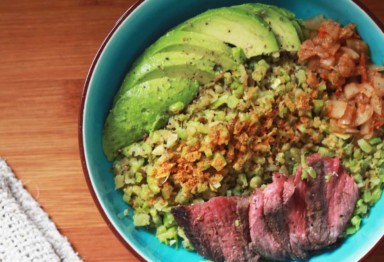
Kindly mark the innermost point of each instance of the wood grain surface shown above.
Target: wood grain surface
(46, 48)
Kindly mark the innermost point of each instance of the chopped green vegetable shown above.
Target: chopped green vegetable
(141, 219)
(364, 145)
(238, 131)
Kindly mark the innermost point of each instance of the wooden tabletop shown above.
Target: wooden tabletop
(46, 48)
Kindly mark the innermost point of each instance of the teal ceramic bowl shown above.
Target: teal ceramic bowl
(138, 28)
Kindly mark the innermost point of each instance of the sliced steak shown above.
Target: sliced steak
(218, 229)
(296, 217)
(263, 240)
(316, 211)
(342, 194)
(317, 208)
(274, 211)
(328, 204)
(290, 219)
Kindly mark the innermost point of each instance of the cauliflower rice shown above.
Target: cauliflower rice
(243, 126)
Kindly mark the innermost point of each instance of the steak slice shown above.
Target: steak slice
(263, 241)
(342, 194)
(317, 208)
(296, 217)
(218, 229)
(328, 204)
(274, 211)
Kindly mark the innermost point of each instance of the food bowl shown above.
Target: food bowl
(140, 26)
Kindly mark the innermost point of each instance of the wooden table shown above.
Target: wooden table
(46, 48)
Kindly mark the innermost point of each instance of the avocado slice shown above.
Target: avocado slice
(285, 32)
(176, 42)
(181, 64)
(234, 27)
(299, 29)
(285, 12)
(143, 109)
(211, 48)
(291, 16)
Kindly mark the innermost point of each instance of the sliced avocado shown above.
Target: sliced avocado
(231, 26)
(176, 63)
(144, 108)
(187, 44)
(281, 26)
(179, 64)
(291, 16)
(299, 29)
(211, 48)
(285, 12)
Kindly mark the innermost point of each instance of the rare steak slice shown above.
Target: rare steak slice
(342, 194)
(317, 208)
(263, 241)
(218, 229)
(274, 211)
(295, 215)
(329, 200)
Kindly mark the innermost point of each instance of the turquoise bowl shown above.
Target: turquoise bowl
(138, 28)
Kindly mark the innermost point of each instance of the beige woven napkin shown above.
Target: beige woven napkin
(26, 232)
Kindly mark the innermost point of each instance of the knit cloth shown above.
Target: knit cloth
(26, 231)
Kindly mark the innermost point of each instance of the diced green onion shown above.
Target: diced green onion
(312, 172)
(304, 167)
(364, 145)
(376, 194)
(356, 220)
(318, 105)
(326, 152)
(375, 141)
(218, 161)
(351, 230)
(119, 181)
(256, 181)
(242, 180)
(176, 107)
(140, 219)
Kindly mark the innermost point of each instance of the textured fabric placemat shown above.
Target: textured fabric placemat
(26, 231)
